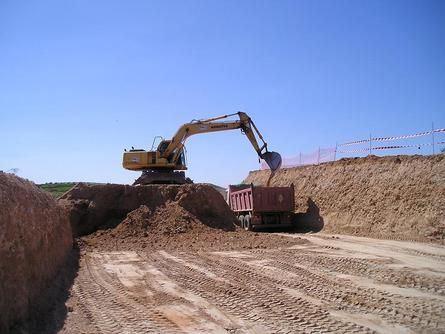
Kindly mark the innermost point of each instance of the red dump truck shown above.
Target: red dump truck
(262, 206)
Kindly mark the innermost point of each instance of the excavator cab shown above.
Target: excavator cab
(163, 145)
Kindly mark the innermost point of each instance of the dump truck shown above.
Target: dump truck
(262, 207)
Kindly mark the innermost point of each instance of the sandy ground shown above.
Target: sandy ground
(330, 283)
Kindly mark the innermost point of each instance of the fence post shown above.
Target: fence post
(370, 144)
(432, 136)
(300, 158)
(335, 152)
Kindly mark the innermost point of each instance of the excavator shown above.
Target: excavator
(166, 164)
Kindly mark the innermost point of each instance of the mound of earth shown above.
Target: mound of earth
(172, 227)
(399, 197)
(149, 217)
(167, 220)
(93, 207)
(35, 240)
(199, 239)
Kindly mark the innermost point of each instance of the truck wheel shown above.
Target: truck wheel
(241, 221)
(247, 225)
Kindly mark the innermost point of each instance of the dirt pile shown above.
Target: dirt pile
(170, 219)
(150, 217)
(93, 207)
(397, 197)
(144, 235)
(35, 239)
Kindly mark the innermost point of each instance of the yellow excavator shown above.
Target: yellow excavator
(166, 164)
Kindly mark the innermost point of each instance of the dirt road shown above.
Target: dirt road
(327, 284)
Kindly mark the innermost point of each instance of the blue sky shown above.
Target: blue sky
(82, 80)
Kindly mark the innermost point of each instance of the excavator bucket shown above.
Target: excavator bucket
(273, 160)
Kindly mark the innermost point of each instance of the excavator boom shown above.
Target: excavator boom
(159, 166)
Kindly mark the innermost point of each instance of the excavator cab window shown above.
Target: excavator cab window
(155, 143)
(163, 146)
(182, 158)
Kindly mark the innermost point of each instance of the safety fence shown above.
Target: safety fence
(371, 145)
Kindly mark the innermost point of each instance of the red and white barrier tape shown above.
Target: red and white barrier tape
(419, 134)
(393, 147)
(359, 150)
(354, 142)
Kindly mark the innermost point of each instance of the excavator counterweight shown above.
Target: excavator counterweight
(166, 164)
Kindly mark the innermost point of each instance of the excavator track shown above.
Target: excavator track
(162, 177)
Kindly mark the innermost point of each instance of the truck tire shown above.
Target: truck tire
(241, 221)
(247, 224)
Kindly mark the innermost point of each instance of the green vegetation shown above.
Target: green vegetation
(57, 189)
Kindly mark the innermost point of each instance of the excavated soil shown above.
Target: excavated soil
(35, 241)
(179, 236)
(401, 197)
(93, 207)
(181, 217)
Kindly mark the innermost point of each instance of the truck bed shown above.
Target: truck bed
(261, 199)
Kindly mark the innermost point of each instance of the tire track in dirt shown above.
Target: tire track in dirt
(345, 294)
(338, 292)
(224, 295)
(305, 289)
(334, 296)
(109, 307)
(166, 308)
(203, 309)
(97, 304)
(368, 268)
(135, 308)
(263, 296)
(401, 253)
(377, 270)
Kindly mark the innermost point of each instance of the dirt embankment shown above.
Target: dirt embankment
(401, 197)
(35, 239)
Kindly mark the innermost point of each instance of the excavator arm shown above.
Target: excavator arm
(215, 124)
